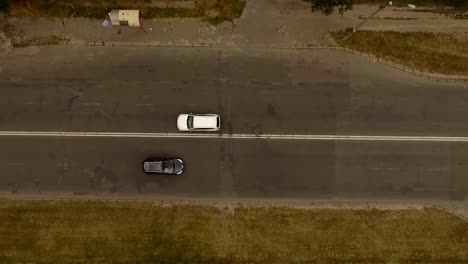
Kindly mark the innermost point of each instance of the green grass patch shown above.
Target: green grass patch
(428, 52)
(125, 232)
(214, 11)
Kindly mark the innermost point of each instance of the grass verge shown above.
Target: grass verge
(213, 11)
(427, 52)
(448, 5)
(124, 232)
(453, 8)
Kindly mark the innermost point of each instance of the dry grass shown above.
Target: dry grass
(120, 232)
(213, 11)
(429, 52)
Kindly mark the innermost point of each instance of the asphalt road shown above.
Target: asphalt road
(291, 92)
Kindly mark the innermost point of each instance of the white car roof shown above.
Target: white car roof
(205, 121)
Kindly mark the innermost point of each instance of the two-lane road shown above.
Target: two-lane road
(256, 92)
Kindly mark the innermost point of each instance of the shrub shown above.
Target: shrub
(4, 4)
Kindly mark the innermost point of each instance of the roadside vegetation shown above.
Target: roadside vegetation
(4, 4)
(427, 52)
(140, 232)
(213, 11)
(449, 7)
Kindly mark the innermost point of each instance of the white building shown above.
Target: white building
(124, 17)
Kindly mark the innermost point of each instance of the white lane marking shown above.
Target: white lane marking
(233, 136)
(90, 104)
(437, 169)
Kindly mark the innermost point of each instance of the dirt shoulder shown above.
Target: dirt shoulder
(142, 232)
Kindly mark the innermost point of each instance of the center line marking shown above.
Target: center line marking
(91, 104)
(233, 136)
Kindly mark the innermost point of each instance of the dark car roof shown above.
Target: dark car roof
(154, 166)
(163, 166)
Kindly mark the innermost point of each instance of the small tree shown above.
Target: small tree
(4, 4)
(328, 6)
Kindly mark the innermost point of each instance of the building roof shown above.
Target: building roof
(125, 17)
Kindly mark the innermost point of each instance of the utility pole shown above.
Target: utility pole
(381, 7)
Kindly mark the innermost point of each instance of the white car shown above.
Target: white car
(198, 122)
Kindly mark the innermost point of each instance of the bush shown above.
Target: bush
(328, 6)
(4, 4)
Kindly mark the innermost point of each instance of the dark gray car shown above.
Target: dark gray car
(163, 166)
